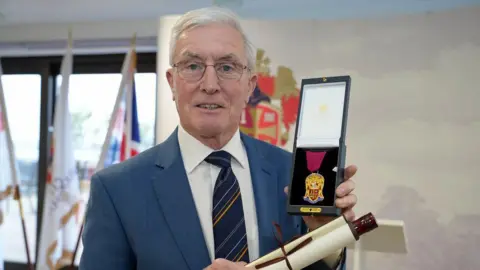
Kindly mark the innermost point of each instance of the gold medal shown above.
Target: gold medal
(314, 184)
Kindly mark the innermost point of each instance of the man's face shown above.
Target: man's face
(212, 104)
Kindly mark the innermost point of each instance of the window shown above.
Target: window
(22, 97)
(91, 101)
(30, 84)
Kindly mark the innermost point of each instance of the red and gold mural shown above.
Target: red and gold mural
(272, 109)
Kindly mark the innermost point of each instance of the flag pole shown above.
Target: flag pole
(127, 65)
(13, 165)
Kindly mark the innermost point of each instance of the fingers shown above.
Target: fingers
(222, 264)
(349, 214)
(350, 171)
(345, 188)
(286, 190)
(314, 222)
(346, 202)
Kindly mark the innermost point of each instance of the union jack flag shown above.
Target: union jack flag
(118, 146)
(135, 131)
(123, 136)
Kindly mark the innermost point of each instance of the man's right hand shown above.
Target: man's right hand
(222, 264)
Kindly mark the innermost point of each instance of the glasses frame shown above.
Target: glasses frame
(244, 67)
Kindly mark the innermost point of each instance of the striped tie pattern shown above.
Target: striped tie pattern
(227, 212)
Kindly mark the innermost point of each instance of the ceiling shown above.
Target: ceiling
(46, 11)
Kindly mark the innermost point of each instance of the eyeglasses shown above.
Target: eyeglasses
(193, 71)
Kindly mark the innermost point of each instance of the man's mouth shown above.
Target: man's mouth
(209, 106)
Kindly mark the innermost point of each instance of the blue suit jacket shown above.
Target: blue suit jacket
(141, 213)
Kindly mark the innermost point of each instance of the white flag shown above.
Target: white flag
(8, 175)
(62, 193)
(8, 164)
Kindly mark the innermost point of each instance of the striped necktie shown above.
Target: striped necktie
(227, 212)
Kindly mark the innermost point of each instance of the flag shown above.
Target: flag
(134, 130)
(9, 170)
(118, 145)
(5, 172)
(5, 166)
(113, 155)
(123, 135)
(8, 165)
(62, 191)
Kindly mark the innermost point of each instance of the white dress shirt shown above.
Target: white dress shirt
(202, 176)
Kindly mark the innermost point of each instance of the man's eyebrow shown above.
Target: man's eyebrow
(229, 56)
(189, 54)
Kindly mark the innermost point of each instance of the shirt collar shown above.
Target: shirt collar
(194, 152)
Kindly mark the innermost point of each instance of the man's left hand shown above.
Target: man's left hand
(346, 200)
(222, 264)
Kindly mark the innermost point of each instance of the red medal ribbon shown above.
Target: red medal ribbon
(314, 160)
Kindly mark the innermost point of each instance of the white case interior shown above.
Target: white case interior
(321, 115)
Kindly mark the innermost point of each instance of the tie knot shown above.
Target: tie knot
(219, 158)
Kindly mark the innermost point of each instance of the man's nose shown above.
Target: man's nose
(210, 80)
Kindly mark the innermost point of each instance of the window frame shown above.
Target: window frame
(48, 67)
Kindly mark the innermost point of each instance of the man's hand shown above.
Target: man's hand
(346, 200)
(222, 264)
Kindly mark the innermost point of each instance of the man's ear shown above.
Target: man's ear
(169, 75)
(251, 86)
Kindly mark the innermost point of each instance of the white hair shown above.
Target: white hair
(210, 15)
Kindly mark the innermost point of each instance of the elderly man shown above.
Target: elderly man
(207, 196)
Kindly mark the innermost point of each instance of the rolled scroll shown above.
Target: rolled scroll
(332, 225)
(316, 245)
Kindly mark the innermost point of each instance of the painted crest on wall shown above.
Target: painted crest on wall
(272, 109)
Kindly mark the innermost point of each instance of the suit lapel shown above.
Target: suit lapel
(176, 201)
(265, 188)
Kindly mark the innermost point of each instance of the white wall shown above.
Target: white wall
(414, 120)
